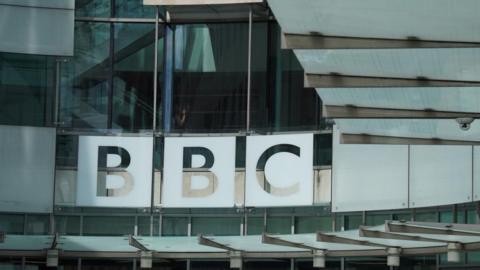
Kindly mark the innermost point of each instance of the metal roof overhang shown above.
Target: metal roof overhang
(411, 238)
(380, 66)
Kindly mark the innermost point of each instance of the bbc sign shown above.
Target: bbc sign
(198, 171)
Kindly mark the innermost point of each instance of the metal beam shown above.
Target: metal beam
(211, 243)
(350, 81)
(198, 2)
(318, 41)
(266, 239)
(322, 237)
(420, 228)
(136, 244)
(389, 235)
(350, 112)
(348, 138)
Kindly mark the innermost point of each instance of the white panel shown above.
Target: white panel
(440, 174)
(222, 195)
(476, 173)
(447, 20)
(442, 64)
(40, 27)
(282, 170)
(140, 150)
(27, 164)
(369, 177)
(446, 129)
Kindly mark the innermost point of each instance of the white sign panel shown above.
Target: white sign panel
(279, 170)
(199, 172)
(114, 171)
(440, 174)
(27, 165)
(369, 177)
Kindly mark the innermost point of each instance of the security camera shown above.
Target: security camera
(464, 122)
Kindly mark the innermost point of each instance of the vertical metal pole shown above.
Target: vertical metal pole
(24, 263)
(135, 227)
(265, 220)
(189, 233)
(249, 66)
(168, 52)
(134, 264)
(155, 72)
(79, 263)
(57, 93)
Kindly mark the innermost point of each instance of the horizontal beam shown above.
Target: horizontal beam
(349, 81)
(351, 112)
(388, 235)
(415, 228)
(266, 239)
(348, 138)
(321, 237)
(211, 243)
(316, 41)
(197, 2)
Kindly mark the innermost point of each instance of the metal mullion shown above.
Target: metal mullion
(110, 76)
(249, 67)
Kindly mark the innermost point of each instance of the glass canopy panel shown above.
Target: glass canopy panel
(446, 129)
(175, 244)
(95, 243)
(442, 20)
(457, 64)
(251, 243)
(455, 99)
(26, 242)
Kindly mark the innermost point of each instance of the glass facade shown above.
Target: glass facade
(134, 76)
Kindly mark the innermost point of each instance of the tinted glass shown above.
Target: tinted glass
(132, 104)
(84, 84)
(279, 100)
(210, 77)
(133, 9)
(92, 8)
(27, 85)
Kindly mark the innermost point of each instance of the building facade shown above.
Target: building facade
(164, 75)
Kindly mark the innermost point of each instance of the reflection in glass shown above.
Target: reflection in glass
(132, 104)
(133, 9)
(279, 100)
(26, 89)
(84, 82)
(92, 8)
(210, 78)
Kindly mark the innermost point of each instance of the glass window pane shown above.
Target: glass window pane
(322, 144)
(69, 225)
(471, 217)
(26, 89)
(353, 222)
(279, 100)
(175, 226)
(108, 226)
(426, 217)
(216, 226)
(132, 104)
(446, 217)
(376, 219)
(84, 79)
(313, 224)
(37, 224)
(143, 225)
(254, 225)
(279, 225)
(210, 77)
(12, 224)
(92, 8)
(402, 216)
(133, 9)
